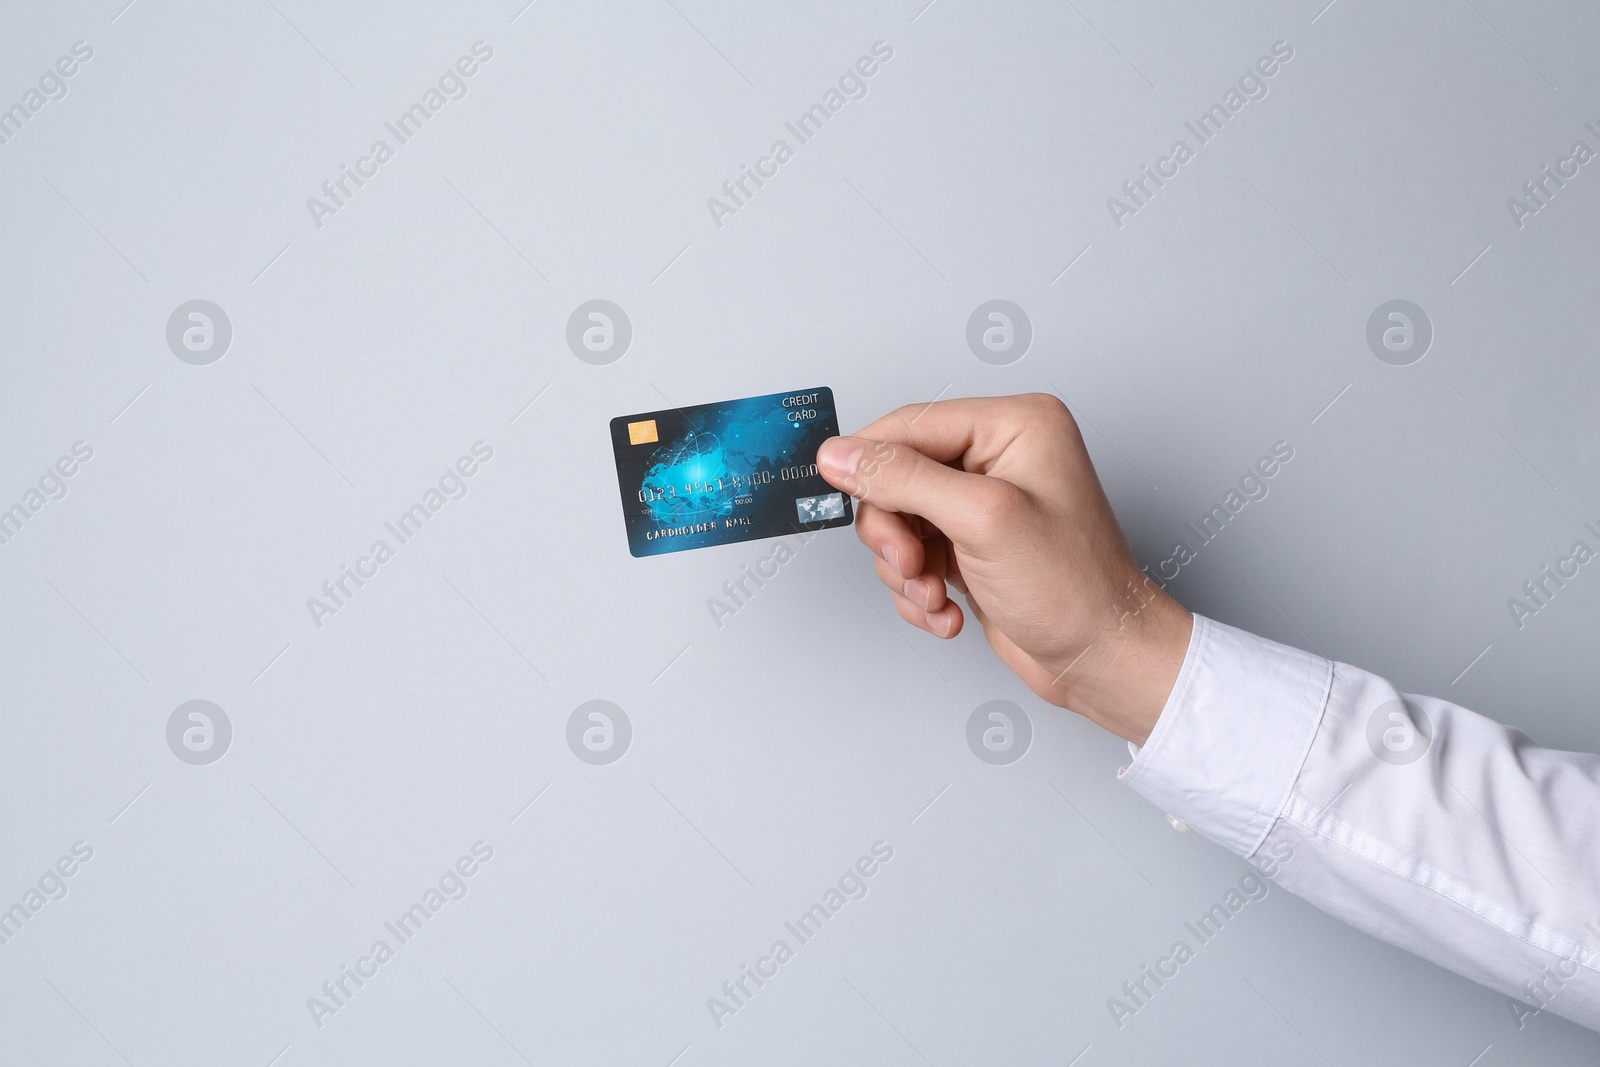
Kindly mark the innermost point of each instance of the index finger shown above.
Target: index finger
(974, 430)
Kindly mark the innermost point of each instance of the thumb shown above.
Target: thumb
(896, 477)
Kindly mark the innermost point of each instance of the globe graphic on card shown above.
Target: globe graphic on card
(689, 481)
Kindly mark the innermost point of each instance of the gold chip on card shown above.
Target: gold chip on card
(642, 433)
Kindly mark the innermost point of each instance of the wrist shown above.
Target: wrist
(1122, 681)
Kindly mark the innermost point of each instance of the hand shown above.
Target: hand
(997, 498)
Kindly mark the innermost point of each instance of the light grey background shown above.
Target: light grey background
(766, 755)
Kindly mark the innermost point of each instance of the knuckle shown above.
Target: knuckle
(1051, 413)
(1051, 408)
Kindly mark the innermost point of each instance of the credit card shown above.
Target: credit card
(718, 474)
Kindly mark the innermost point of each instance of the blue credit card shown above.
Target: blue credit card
(717, 474)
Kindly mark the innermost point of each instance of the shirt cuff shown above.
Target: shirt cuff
(1233, 735)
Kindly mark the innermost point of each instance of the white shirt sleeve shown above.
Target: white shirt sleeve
(1408, 817)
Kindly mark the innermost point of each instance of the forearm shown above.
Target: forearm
(1460, 841)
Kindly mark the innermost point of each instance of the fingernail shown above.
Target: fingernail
(918, 592)
(838, 456)
(891, 555)
(943, 622)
